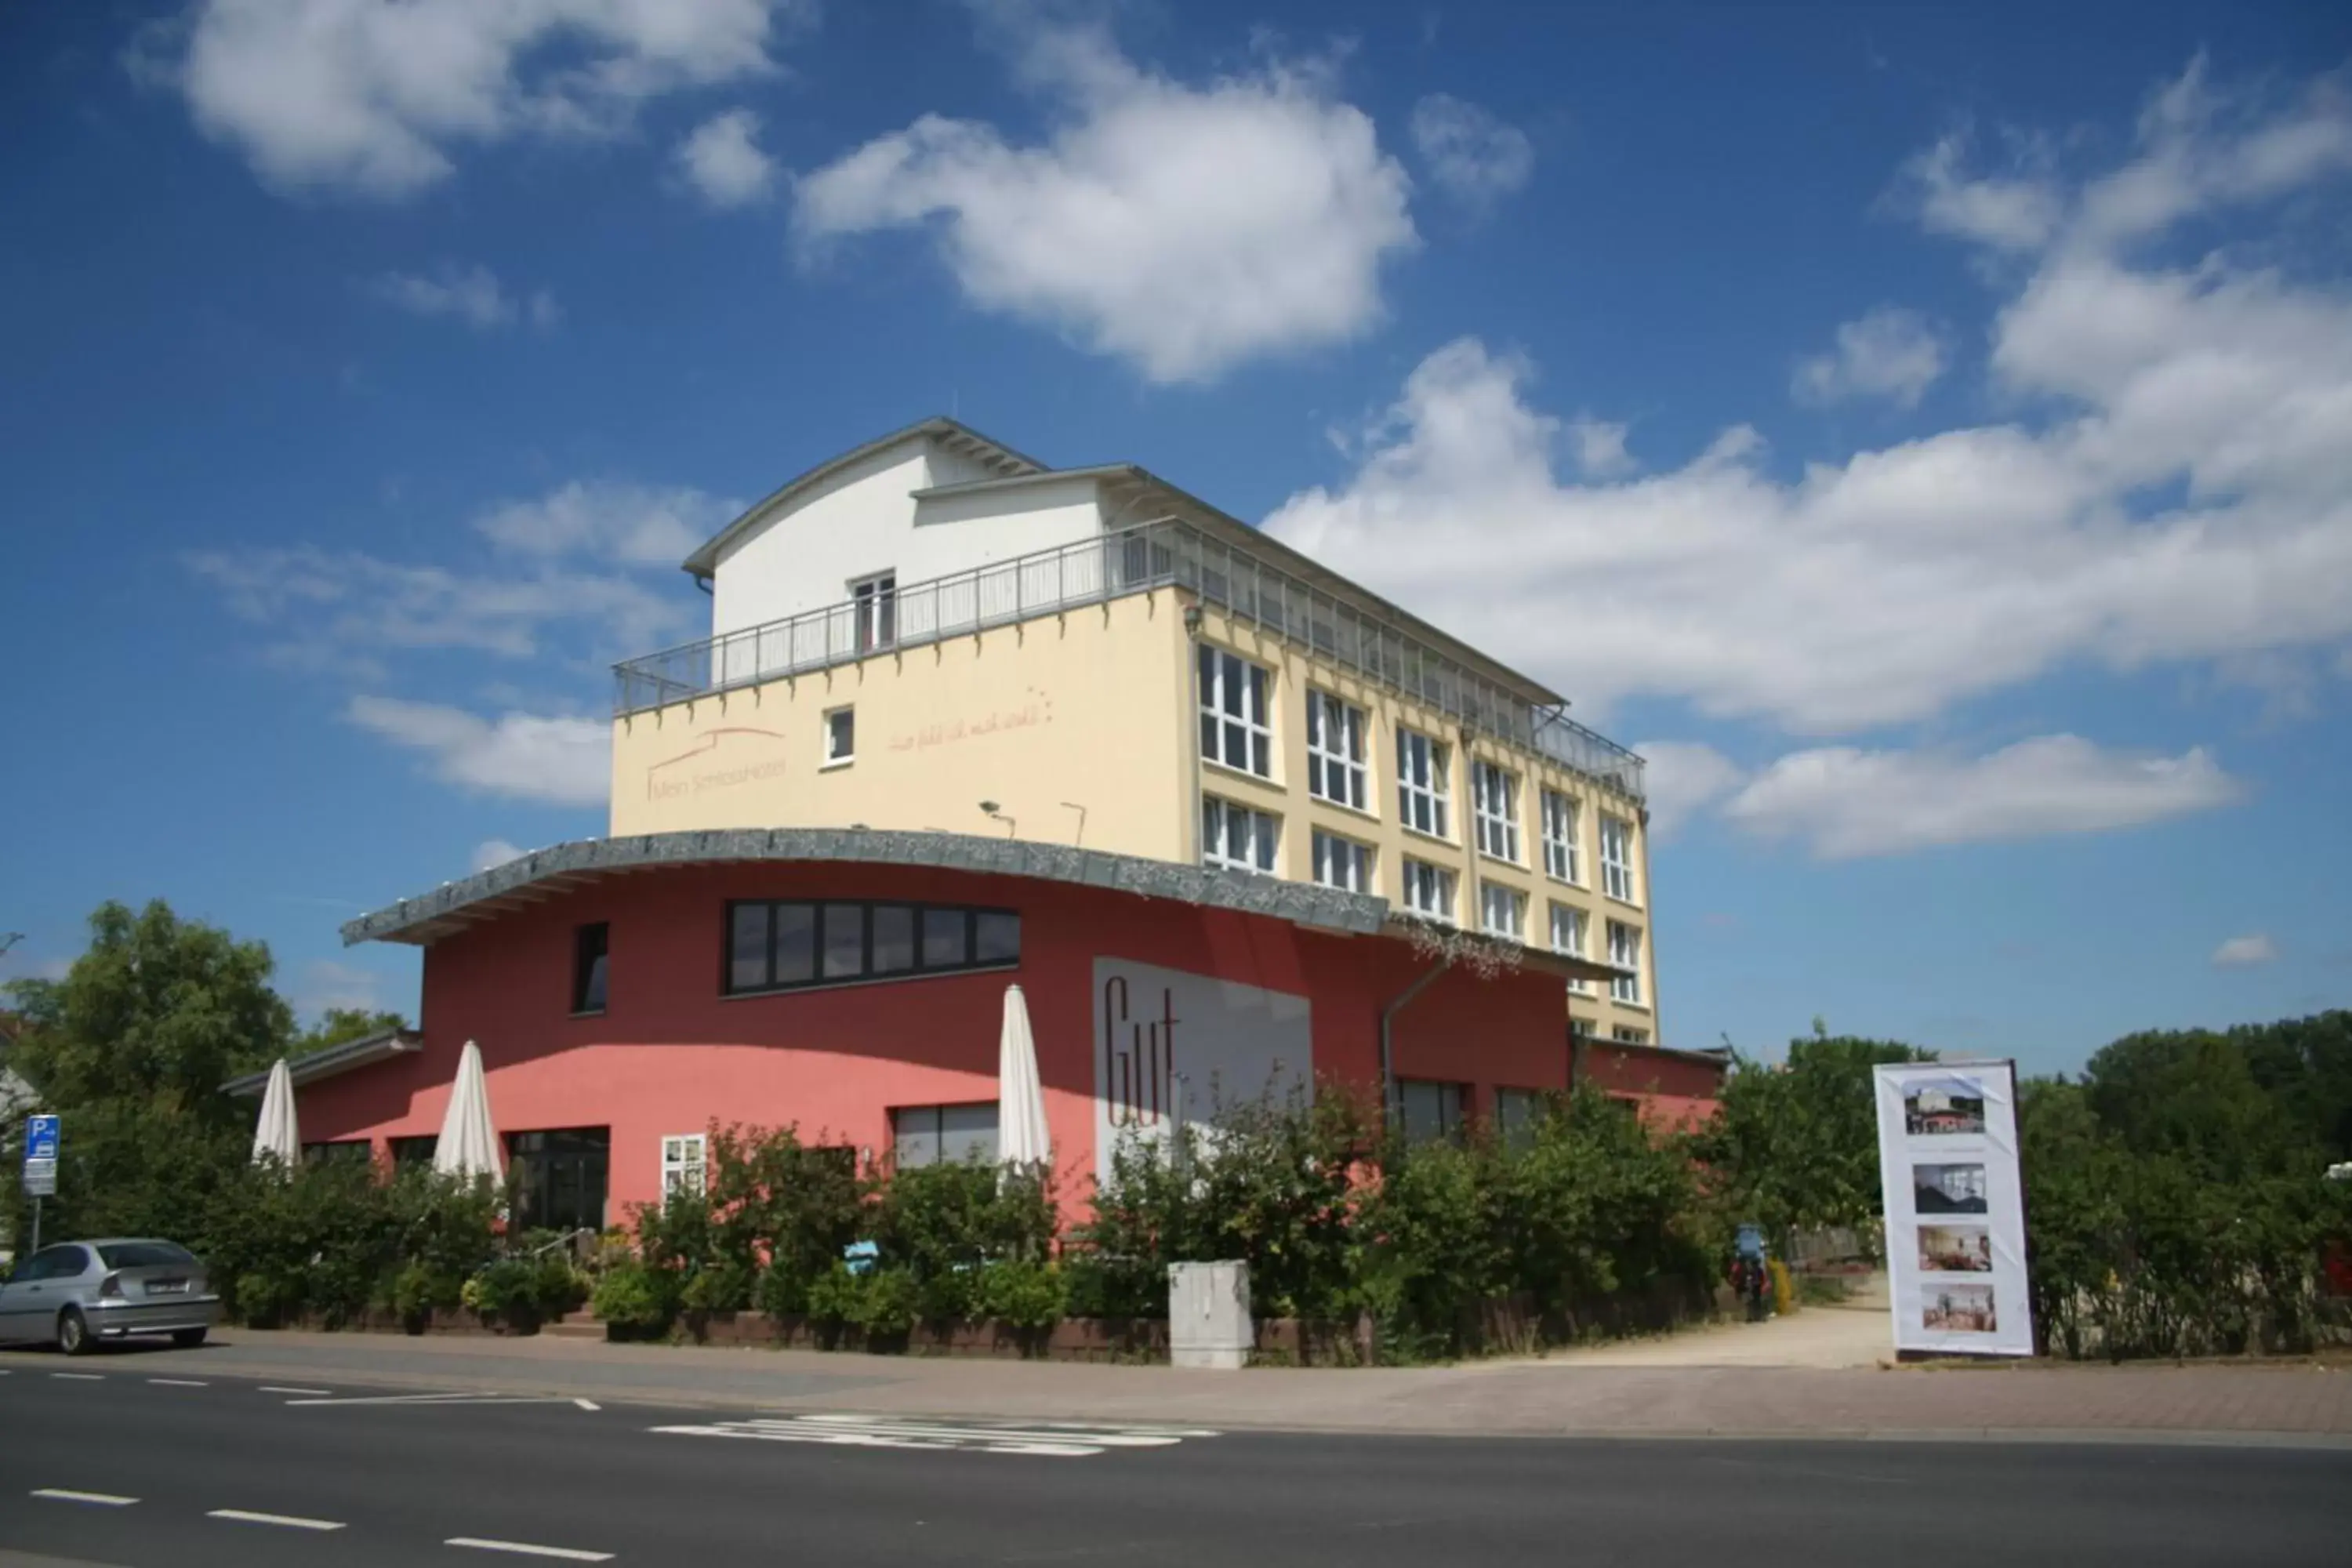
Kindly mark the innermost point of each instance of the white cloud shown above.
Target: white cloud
(724, 161)
(2247, 952)
(492, 853)
(1682, 777)
(374, 99)
(2017, 211)
(2181, 493)
(1181, 228)
(1845, 802)
(1470, 154)
(611, 521)
(559, 761)
(1886, 353)
(471, 294)
(1597, 447)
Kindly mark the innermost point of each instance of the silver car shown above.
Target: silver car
(78, 1294)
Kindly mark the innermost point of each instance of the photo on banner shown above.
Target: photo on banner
(1955, 1205)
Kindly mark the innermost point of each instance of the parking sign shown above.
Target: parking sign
(41, 1156)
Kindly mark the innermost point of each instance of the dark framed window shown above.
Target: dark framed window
(780, 945)
(943, 1134)
(348, 1151)
(1431, 1110)
(591, 952)
(559, 1177)
(413, 1151)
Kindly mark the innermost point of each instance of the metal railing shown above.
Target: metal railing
(1131, 560)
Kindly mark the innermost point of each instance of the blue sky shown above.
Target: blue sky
(1925, 433)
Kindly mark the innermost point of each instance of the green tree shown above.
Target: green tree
(1796, 1144)
(336, 1025)
(2192, 1095)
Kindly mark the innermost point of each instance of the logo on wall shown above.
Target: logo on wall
(750, 755)
(1176, 1048)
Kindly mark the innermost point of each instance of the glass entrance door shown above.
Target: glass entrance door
(559, 1177)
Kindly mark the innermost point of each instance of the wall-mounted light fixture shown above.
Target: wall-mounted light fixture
(988, 808)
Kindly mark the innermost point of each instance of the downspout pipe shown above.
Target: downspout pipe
(1404, 998)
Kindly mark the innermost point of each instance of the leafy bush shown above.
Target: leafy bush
(1023, 1294)
(837, 1296)
(507, 1292)
(780, 1293)
(889, 1304)
(635, 1299)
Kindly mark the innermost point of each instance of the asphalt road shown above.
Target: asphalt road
(102, 1463)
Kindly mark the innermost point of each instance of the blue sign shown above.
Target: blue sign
(40, 1137)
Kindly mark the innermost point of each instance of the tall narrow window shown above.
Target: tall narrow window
(1560, 846)
(1502, 911)
(1342, 863)
(1567, 936)
(1335, 751)
(1617, 858)
(1234, 731)
(590, 951)
(1428, 890)
(840, 736)
(1496, 794)
(874, 604)
(1236, 837)
(1625, 952)
(1422, 788)
(685, 1164)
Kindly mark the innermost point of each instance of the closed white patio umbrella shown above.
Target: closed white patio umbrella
(468, 1145)
(1022, 1141)
(275, 1136)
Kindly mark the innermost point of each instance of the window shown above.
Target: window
(1583, 1029)
(1517, 1111)
(1496, 795)
(333, 1151)
(943, 1134)
(1617, 858)
(1503, 911)
(1236, 837)
(1233, 728)
(1430, 1110)
(1422, 768)
(416, 1150)
(1626, 1035)
(1428, 890)
(685, 1164)
(1568, 934)
(52, 1263)
(559, 1177)
(146, 1255)
(1335, 751)
(1625, 952)
(874, 605)
(590, 951)
(776, 947)
(1342, 863)
(840, 736)
(1561, 857)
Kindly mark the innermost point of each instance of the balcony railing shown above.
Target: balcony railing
(1130, 561)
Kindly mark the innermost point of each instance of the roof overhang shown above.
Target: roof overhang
(365, 1051)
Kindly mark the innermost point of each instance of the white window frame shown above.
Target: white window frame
(1563, 856)
(1236, 839)
(1424, 766)
(1627, 1035)
(1617, 859)
(834, 758)
(1337, 750)
(1580, 932)
(685, 1164)
(1494, 798)
(1426, 877)
(1342, 862)
(874, 611)
(1235, 698)
(1494, 896)
(1625, 952)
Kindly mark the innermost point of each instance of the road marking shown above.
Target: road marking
(80, 1376)
(525, 1549)
(1050, 1440)
(587, 1404)
(451, 1399)
(290, 1521)
(97, 1499)
(276, 1388)
(178, 1382)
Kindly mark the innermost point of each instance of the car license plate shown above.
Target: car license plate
(166, 1287)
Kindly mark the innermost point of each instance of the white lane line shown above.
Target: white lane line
(587, 1404)
(290, 1521)
(525, 1549)
(96, 1499)
(438, 1399)
(276, 1388)
(80, 1376)
(178, 1382)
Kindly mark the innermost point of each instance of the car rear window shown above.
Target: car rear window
(145, 1255)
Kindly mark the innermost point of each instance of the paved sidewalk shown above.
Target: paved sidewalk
(1856, 1333)
(2248, 1402)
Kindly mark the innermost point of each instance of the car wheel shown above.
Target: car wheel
(187, 1339)
(73, 1333)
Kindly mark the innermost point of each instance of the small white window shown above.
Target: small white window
(1560, 857)
(1421, 787)
(840, 735)
(874, 604)
(1428, 890)
(1236, 837)
(1496, 794)
(1617, 858)
(1625, 952)
(1342, 863)
(685, 1164)
(1503, 911)
(1234, 726)
(1335, 751)
(1568, 934)
(1626, 1035)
